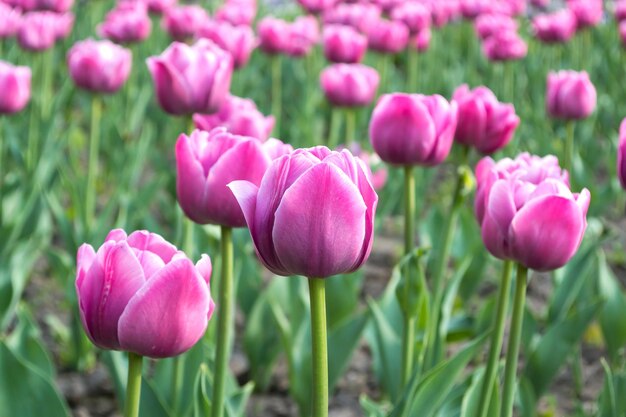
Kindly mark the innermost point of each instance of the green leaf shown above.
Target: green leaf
(371, 408)
(613, 312)
(342, 340)
(471, 399)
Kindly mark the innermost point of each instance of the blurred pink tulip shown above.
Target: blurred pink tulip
(349, 85)
(273, 35)
(588, 13)
(237, 12)
(127, 23)
(361, 16)
(312, 214)
(10, 20)
(387, 36)
(99, 66)
(64, 22)
(620, 10)
(483, 122)
(570, 95)
(304, 33)
(540, 3)
(239, 41)
(505, 46)
(58, 6)
(555, 27)
(191, 79)
(621, 154)
(421, 41)
(413, 129)
(38, 31)
(316, 6)
(414, 15)
(183, 22)
(344, 44)
(471, 9)
(160, 6)
(140, 294)
(15, 87)
(490, 24)
(239, 116)
(377, 170)
(622, 33)
(206, 162)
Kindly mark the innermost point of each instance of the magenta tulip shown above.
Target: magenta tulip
(99, 66)
(421, 40)
(387, 36)
(191, 79)
(471, 9)
(303, 34)
(38, 31)
(414, 15)
(239, 41)
(361, 16)
(588, 13)
(413, 129)
(127, 23)
(160, 6)
(349, 85)
(540, 3)
(312, 214)
(275, 148)
(539, 224)
(239, 116)
(316, 6)
(183, 22)
(570, 95)
(505, 46)
(483, 122)
(376, 171)
(10, 20)
(273, 35)
(206, 162)
(622, 33)
(621, 154)
(58, 6)
(555, 27)
(490, 24)
(344, 44)
(63, 23)
(15, 87)
(237, 12)
(140, 294)
(620, 10)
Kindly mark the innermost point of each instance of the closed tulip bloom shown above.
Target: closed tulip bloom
(191, 79)
(621, 154)
(63, 23)
(538, 225)
(99, 66)
(239, 41)
(588, 13)
(349, 85)
(316, 6)
(303, 34)
(37, 31)
(570, 95)
(361, 16)
(15, 87)
(10, 19)
(273, 35)
(555, 27)
(620, 10)
(413, 129)
(421, 40)
(127, 23)
(183, 22)
(483, 122)
(206, 162)
(237, 12)
(414, 15)
(376, 171)
(505, 46)
(239, 116)
(312, 214)
(344, 44)
(387, 36)
(470, 9)
(442, 12)
(490, 24)
(275, 148)
(160, 6)
(138, 293)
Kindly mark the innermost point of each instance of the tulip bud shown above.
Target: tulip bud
(183, 22)
(570, 95)
(415, 16)
(343, 44)
(99, 66)
(15, 87)
(10, 20)
(127, 23)
(349, 84)
(239, 41)
(361, 16)
(556, 27)
(388, 36)
(505, 46)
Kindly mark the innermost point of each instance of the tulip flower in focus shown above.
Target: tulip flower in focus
(413, 129)
(349, 85)
(239, 116)
(570, 95)
(343, 44)
(191, 79)
(127, 23)
(239, 41)
(621, 154)
(124, 288)
(483, 122)
(312, 214)
(183, 22)
(505, 46)
(387, 36)
(15, 87)
(555, 27)
(10, 20)
(99, 66)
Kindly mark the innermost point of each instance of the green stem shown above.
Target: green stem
(133, 387)
(2, 162)
(92, 167)
(350, 125)
(412, 76)
(32, 153)
(335, 127)
(276, 92)
(508, 392)
(48, 63)
(568, 151)
(317, 294)
(224, 322)
(408, 335)
(384, 68)
(496, 340)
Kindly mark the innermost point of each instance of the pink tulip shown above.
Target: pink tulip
(99, 66)
(620, 10)
(349, 84)
(344, 44)
(160, 6)
(588, 13)
(140, 294)
(237, 12)
(15, 87)
(183, 22)
(414, 15)
(555, 27)
(413, 129)
(505, 46)
(471, 9)
(490, 24)
(127, 23)
(58, 6)
(483, 122)
(442, 12)
(38, 31)
(191, 79)
(538, 224)
(63, 22)
(376, 171)
(622, 32)
(239, 41)
(312, 214)
(239, 116)
(273, 35)
(621, 154)
(421, 41)
(570, 95)
(206, 162)
(10, 20)
(540, 3)
(303, 34)
(316, 6)
(275, 148)
(361, 16)
(387, 36)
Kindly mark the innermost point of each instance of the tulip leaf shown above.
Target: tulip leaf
(613, 313)
(612, 401)
(342, 340)
(471, 398)
(371, 408)
(14, 275)
(152, 404)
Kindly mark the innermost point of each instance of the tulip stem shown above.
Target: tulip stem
(47, 64)
(408, 334)
(317, 294)
(496, 339)
(384, 68)
(276, 92)
(508, 392)
(412, 69)
(224, 322)
(133, 387)
(2, 162)
(568, 151)
(92, 167)
(350, 125)
(335, 127)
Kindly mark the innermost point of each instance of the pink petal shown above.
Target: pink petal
(146, 241)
